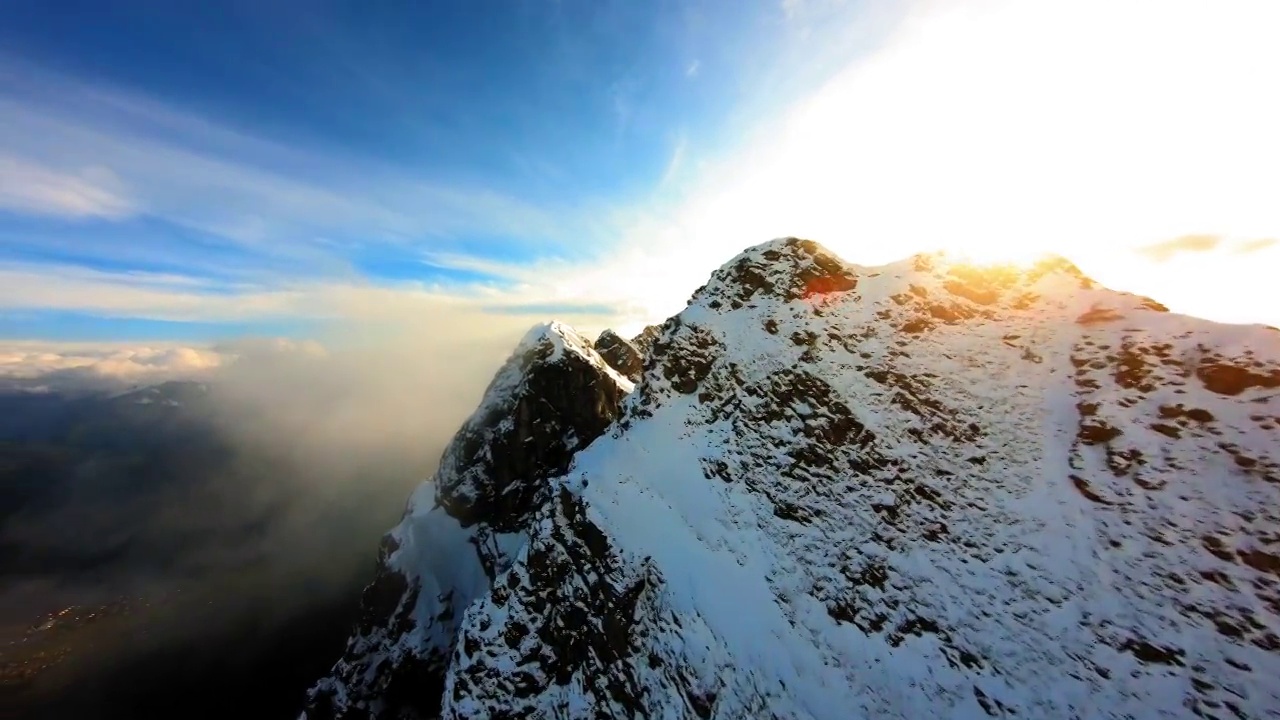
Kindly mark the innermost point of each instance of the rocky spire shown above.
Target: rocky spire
(553, 396)
(620, 354)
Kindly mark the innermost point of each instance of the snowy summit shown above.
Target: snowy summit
(927, 489)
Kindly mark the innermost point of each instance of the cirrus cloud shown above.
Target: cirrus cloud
(1253, 246)
(1167, 250)
(92, 192)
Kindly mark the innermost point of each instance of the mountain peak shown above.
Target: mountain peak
(784, 269)
(552, 397)
(550, 343)
(790, 268)
(552, 339)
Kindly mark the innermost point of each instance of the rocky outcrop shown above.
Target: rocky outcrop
(643, 341)
(553, 398)
(461, 530)
(921, 489)
(620, 354)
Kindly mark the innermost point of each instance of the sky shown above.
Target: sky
(174, 176)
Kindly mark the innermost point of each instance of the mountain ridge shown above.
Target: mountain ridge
(928, 487)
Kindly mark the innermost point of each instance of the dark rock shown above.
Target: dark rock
(1226, 379)
(494, 469)
(1096, 433)
(1086, 490)
(688, 358)
(1099, 315)
(1149, 653)
(644, 341)
(1261, 560)
(620, 354)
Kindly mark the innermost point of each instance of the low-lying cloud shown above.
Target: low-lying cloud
(257, 504)
(81, 366)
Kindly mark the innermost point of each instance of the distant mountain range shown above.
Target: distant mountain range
(926, 489)
(48, 439)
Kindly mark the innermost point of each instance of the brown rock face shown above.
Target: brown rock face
(492, 472)
(1227, 379)
(791, 270)
(620, 354)
(644, 341)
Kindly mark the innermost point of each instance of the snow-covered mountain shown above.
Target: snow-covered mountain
(919, 490)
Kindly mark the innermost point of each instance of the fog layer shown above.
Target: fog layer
(232, 523)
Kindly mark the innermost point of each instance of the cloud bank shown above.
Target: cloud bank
(254, 506)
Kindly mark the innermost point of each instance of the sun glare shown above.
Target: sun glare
(997, 253)
(986, 132)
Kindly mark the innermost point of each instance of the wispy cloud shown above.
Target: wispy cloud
(1186, 244)
(1253, 246)
(691, 70)
(1199, 244)
(676, 162)
(622, 97)
(135, 294)
(190, 171)
(324, 304)
(31, 188)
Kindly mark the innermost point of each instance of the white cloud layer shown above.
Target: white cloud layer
(30, 360)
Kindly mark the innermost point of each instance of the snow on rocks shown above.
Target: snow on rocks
(462, 529)
(922, 489)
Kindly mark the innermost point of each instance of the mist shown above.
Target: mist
(233, 549)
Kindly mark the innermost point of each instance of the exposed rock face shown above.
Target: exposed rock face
(780, 271)
(620, 354)
(923, 489)
(644, 340)
(552, 397)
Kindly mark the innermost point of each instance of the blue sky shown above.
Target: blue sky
(188, 173)
(235, 148)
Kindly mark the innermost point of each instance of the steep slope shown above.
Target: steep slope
(552, 397)
(923, 489)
